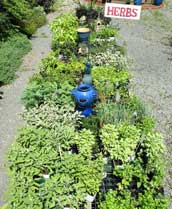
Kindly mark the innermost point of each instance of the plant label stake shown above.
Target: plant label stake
(122, 11)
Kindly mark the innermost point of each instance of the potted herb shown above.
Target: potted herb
(120, 141)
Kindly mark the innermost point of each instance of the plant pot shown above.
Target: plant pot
(46, 176)
(90, 198)
(84, 95)
(83, 34)
(68, 208)
(158, 2)
(137, 2)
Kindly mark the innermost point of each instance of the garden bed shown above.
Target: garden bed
(61, 157)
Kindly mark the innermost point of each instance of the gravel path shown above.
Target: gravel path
(147, 43)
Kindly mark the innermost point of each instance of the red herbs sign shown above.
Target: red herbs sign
(122, 11)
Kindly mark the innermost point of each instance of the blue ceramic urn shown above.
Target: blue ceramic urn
(84, 95)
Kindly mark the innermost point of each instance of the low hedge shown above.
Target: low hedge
(11, 53)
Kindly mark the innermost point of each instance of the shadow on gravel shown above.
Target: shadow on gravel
(1, 95)
(170, 44)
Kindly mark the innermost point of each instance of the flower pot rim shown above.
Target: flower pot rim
(84, 87)
(83, 30)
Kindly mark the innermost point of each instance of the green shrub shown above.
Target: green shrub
(56, 70)
(91, 123)
(113, 200)
(107, 32)
(64, 32)
(110, 58)
(23, 15)
(85, 141)
(131, 111)
(46, 4)
(49, 115)
(149, 200)
(37, 93)
(38, 16)
(11, 53)
(107, 80)
(5, 25)
(120, 141)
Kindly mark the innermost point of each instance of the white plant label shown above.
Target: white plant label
(123, 11)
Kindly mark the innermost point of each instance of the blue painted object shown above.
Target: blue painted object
(158, 2)
(87, 68)
(83, 34)
(86, 111)
(84, 95)
(137, 2)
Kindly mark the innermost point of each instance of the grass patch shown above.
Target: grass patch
(11, 54)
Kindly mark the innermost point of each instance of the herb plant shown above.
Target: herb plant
(120, 142)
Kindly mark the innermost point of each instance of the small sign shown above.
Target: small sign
(123, 11)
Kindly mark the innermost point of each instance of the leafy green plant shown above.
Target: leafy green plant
(118, 201)
(70, 180)
(107, 32)
(5, 25)
(91, 123)
(55, 70)
(107, 80)
(110, 58)
(24, 16)
(152, 144)
(37, 93)
(46, 4)
(125, 111)
(152, 200)
(64, 31)
(49, 116)
(11, 53)
(120, 141)
(85, 142)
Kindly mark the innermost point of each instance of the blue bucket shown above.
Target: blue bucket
(137, 2)
(83, 34)
(157, 2)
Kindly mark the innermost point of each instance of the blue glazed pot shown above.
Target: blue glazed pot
(84, 95)
(83, 34)
(137, 2)
(86, 111)
(158, 2)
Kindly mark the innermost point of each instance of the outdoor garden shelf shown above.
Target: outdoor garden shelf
(145, 6)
